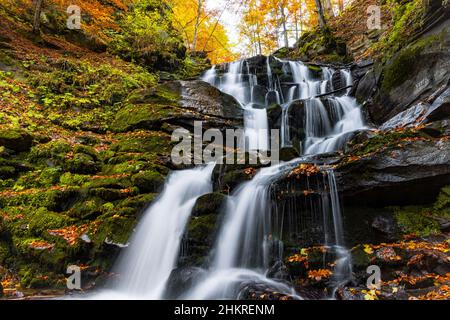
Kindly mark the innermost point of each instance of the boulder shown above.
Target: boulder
(413, 174)
(208, 100)
(181, 279)
(411, 74)
(16, 139)
(440, 109)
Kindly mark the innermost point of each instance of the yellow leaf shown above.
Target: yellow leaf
(368, 249)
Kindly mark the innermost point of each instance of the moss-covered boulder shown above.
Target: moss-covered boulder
(148, 181)
(209, 204)
(16, 139)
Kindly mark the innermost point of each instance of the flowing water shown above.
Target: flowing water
(146, 265)
(247, 245)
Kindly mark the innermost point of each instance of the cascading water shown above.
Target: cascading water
(241, 87)
(247, 245)
(146, 265)
(244, 248)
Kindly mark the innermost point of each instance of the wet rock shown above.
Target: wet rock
(366, 87)
(288, 154)
(388, 256)
(386, 225)
(414, 72)
(278, 271)
(260, 291)
(437, 129)
(181, 279)
(413, 174)
(272, 98)
(440, 109)
(259, 95)
(208, 204)
(208, 100)
(148, 181)
(407, 118)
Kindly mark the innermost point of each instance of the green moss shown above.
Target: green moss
(70, 179)
(38, 179)
(360, 258)
(53, 200)
(416, 220)
(442, 205)
(383, 139)
(114, 229)
(202, 228)
(401, 67)
(7, 172)
(146, 116)
(15, 139)
(43, 220)
(81, 163)
(209, 204)
(148, 181)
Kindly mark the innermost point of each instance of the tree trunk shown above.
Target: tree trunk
(197, 25)
(283, 22)
(37, 17)
(322, 21)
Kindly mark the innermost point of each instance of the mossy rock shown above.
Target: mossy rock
(442, 204)
(148, 181)
(43, 220)
(16, 139)
(145, 116)
(360, 258)
(7, 172)
(416, 220)
(53, 200)
(403, 65)
(114, 229)
(88, 209)
(138, 202)
(82, 163)
(209, 204)
(109, 194)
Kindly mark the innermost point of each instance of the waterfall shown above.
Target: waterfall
(323, 135)
(241, 86)
(244, 246)
(249, 241)
(343, 270)
(146, 264)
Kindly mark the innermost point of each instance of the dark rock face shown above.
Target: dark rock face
(180, 104)
(208, 100)
(396, 177)
(410, 75)
(181, 279)
(202, 229)
(440, 109)
(367, 86)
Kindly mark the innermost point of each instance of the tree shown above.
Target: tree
(283, 23)
(197, 24)
(321, 15)
(37, 16)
